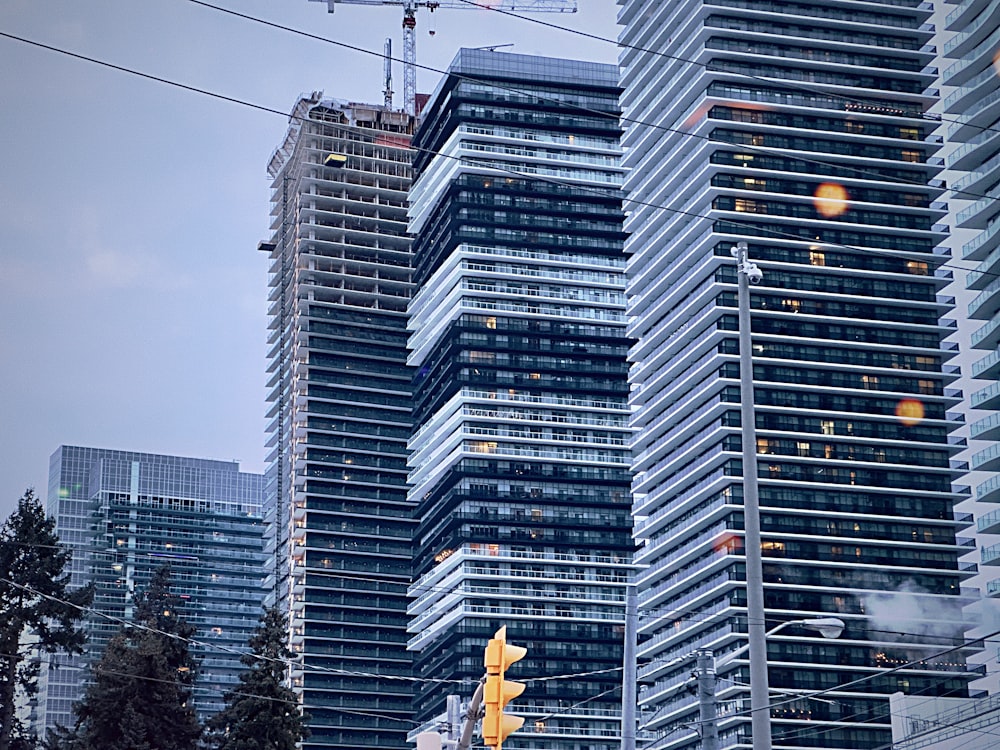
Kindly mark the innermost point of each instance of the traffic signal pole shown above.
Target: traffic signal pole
(471, 717)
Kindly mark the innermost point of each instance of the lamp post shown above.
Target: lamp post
(760, 714)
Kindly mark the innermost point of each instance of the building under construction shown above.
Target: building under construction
(339, 415)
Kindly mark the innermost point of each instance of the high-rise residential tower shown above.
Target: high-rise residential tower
(797, 127)
(340, 415)
(124, 515)
(519, 465)
(971, 81)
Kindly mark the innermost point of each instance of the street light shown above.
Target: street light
(707, 671)
(828, 627)
(760, 714)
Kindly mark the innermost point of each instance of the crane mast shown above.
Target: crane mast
(410, 28)
(387, 72)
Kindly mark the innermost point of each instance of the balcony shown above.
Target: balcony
(988, 491)
(987, 460)
(990, 555)
(986, 429)
(990, 523)
(986, 398)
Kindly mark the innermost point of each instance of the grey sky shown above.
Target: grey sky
(132, 296)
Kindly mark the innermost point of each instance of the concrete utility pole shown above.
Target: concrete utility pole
(629, 671)
(760, 713)
(707, 713)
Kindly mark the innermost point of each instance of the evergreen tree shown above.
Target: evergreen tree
(37, 608)
(261, 713)
(140, 696)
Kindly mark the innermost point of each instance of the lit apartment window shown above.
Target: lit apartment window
(745, 205)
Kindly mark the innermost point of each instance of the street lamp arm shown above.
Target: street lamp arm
(828, 627)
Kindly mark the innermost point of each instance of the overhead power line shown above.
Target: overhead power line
(763, 233)
(293, 663)
(779, 82)
(574, 105)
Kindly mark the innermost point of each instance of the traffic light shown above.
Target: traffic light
(498, 692)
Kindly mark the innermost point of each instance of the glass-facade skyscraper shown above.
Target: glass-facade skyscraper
(971, 89)
(798, 128)
(519, 464)
(124, 515)
(339, 416)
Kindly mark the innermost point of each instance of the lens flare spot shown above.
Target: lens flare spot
(996, 62)
(727, 544)
(830, 199)
(910, 411)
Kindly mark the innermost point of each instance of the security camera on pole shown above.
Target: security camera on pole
(760, 713)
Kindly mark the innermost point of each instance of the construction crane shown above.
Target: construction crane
(410, 26)
(387, 72)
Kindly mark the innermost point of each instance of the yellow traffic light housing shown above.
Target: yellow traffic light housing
(499, 692)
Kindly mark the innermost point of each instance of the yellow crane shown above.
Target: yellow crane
(410, 26)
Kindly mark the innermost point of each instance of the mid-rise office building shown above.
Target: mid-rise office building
(519, 464)
(798, 128)
(339, 521)
(971, 129)
(126, 514)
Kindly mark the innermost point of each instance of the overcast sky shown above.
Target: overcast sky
(132, 297)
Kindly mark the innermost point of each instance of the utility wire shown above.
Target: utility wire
(601, 113)
(780, 83)
(283, 114)
(297, 664)
(579, 107)
(802, 730)
(220, 647)
(942, 725)
(882, 673)
(222, 691)
(807, 731)
(648, 615)
(758, 231)
(806, 695)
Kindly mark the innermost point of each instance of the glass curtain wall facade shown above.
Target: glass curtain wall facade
(340, 525)
(519, 464)
(971, 79)
(126, 514)
(798, 128)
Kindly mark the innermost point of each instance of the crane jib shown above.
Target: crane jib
(410, 25)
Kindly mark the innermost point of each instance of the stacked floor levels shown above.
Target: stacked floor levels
(797, 127)
(340, 416)
(969, 74)
(520, 457)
